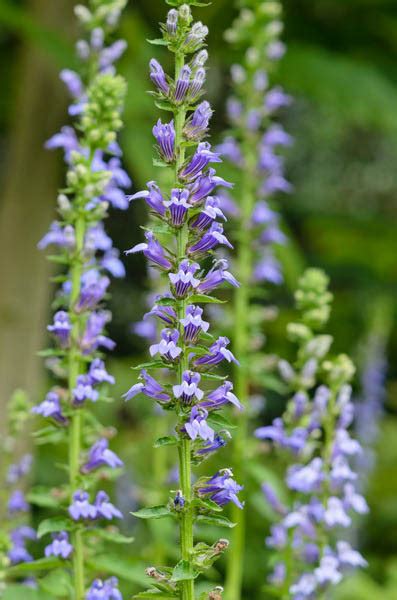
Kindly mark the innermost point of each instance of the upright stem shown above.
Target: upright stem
(76, 418)
(244, 262)
(185, 467)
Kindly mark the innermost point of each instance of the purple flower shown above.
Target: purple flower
(61, 327)
(112, 53)
(188, 389)
(153, 251)
(17, 471)
(209, 213)
(165, 137)
(84, 391)
(163, 312)
(167, 347)
(105, 508)
(81, 507)
(111, 263)
(276, 98)
(182, 84)
(98, 374)
(67, 140)
(172, 22)
(275, 182)
(268, 269)
(274, 432)
(158, 77)
(17, 503)
(272, 499)
(195, 37)
(73, 82)
(217, 352)
(93, 289)
(230, 150)
(196, 84)
(97, 239)
(276, 136)
(216, 276)
(328, 572)
(104, 590)
(184, 279)
(178, 206)
(222, 488)
(149, 387)
(205, 185)
(51, 408)
(58, 236)
(92, 337)
(348, 556)
(210, 240)
(193, 323)
(335, 513)
(304, 587)
(220, 396)
(60, 546)
(213, 446)
(199, 161)
(275, 50)
(197, 426)
(196, 126)
(153, 198)
(278, 538)
(100, 456)
(307, 478)
(352, 500)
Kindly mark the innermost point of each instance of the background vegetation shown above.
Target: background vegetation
(341, 69)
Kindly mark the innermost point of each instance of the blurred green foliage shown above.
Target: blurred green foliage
(341, 69)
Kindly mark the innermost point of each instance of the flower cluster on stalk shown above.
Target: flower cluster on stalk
(255, 137)
(16, 535)
(315, 439)
(95, 180)
(185, 230)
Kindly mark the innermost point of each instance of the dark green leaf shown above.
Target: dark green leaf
(155, 512)
(58, 583)
(154, 364)
(42, 497)
(115, 564)
(168, 440)
(54, 524)
(219, 421)
(22, 592)
(158, 42)
(115, 537)
(42, 564)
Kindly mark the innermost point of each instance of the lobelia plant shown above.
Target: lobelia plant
(314, 439)
(180, 242)
(16, 533)
(252, 146)
(95, 180)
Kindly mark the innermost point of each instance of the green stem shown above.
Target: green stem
(185, 466)
(76, 418)
(244, 264)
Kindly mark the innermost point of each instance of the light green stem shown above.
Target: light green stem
(185, 467)
(76, 418)
(244, 266)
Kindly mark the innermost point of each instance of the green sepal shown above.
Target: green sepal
(183, 571)
(216, 520)
(54, 524)
(154, 512)
(167, 440)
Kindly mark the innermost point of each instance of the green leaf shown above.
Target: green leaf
(54, 524)
(158, 42)
(114, 537)
(42, 497)
(183, 571)
(124, 568)
(22, 592)
(42, 564)
(58, 583)
(208, 504)
(154, 594)
(215, 520)
(168, 440)
(154, 364)
(164, 106)
(204, 299)
(155, 512)
(219, 421)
